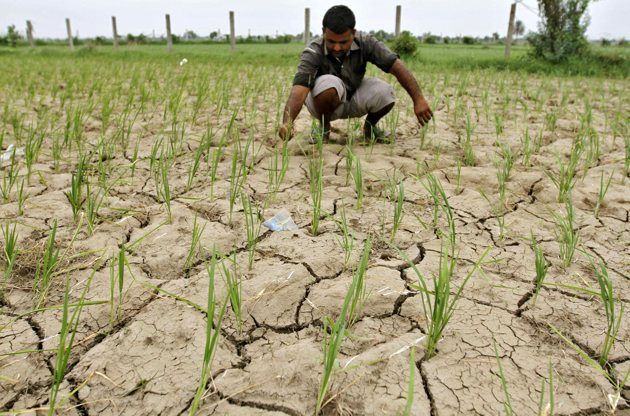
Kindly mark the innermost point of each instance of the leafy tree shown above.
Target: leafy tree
(496, 36)
(519, 28)
(190, 35)
(12, 36)
(561, 31)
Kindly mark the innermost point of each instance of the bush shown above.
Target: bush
(11, 38)
(430, 39)
(562, 30)
(468, 40)
(405, 44)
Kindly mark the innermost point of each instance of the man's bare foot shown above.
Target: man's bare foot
(373, 133)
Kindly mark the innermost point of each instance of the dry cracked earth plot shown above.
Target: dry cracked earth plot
(138, 344)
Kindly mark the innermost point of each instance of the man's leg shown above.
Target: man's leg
(325, 101)
(325, 105)
(373, 118)
(375, 98)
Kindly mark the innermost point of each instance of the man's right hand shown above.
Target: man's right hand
(285, 132)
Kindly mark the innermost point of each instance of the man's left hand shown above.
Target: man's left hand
(423, 111)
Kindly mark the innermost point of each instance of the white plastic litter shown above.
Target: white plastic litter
(8, 154)
(282, 221)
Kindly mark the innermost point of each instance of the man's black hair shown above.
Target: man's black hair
(339, 19)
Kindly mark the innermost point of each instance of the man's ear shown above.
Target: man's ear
(354, 31)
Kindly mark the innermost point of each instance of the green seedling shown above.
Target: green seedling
(336, 331)
(117, 279)
(566, 177)
(498, 212)
(162, 185)
(551, 122)
(10, 238)
(458, 178)
(357, 176)
(194, 167)
(217, 156)
(507, 402)
(440, 202)
(346, 241)
(467, 148)
(32, 148)
(527, 148)
(567, 235)
(93, 202)
(213, 331)
(69, 325)
(195, 245)
(21, 197)
(498, 124)
(613, 314)
(234, 289)
(47, 267)
(439, 304)
(359, 295)
(238, 176)
(399, 200)
(603, 189)
(316, 168)
(504, 169)
(278, 165)
(252, 227)
(423, 136)
(9, 179)
(349, 162)
(75, 196)
(541, 265)
(548, 409)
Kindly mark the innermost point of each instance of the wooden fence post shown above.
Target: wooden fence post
(232, 32)
(69, 30)
(307, 26)
(398, 10)
(510, 33)
(169, 37)
(115, 32)
(29, 33)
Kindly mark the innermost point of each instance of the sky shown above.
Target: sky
(90, 18)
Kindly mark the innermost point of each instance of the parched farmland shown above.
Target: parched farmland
(476, 266)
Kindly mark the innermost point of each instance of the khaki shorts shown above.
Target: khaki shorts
(372, 95)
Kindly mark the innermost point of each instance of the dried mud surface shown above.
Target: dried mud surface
(144, 356)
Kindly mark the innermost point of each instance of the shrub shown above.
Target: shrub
(11, 38)
(430, 39)
(468, 40)
(562, 30)
(405, 44)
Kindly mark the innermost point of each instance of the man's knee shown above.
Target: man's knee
(326, 83)
(379, 95)
(382, 97)
(328, 97)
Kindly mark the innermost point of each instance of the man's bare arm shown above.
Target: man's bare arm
(409, 83)
(292, 109)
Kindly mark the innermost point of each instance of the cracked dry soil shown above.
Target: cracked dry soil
(142, 354)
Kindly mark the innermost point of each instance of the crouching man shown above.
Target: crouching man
(330, 79)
